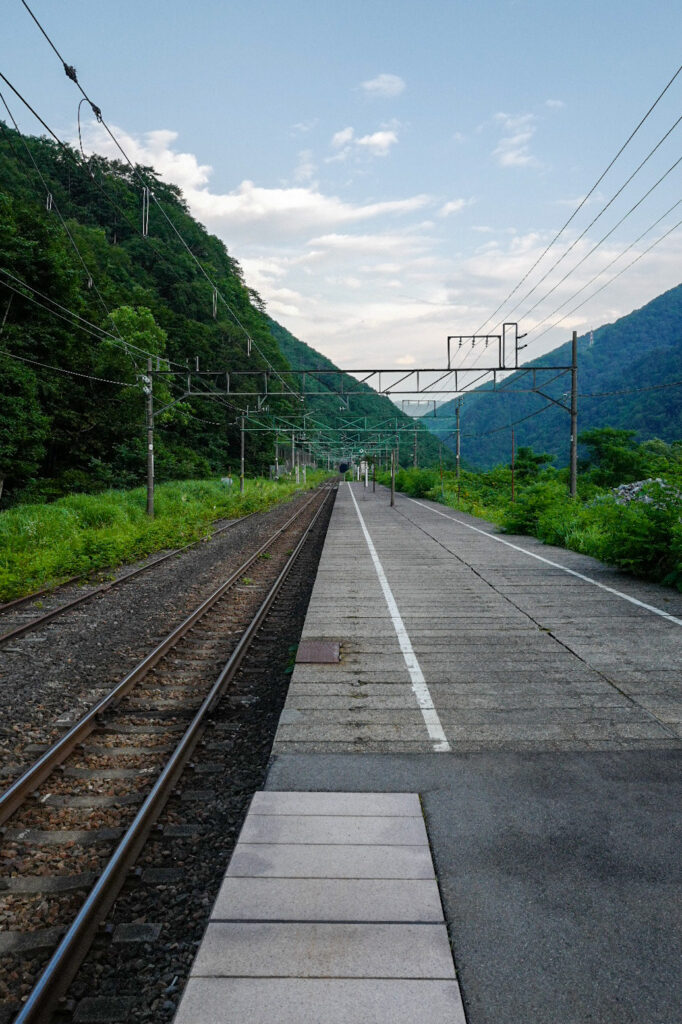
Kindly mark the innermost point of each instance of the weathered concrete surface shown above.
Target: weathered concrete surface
(516, 653)
(555, 819)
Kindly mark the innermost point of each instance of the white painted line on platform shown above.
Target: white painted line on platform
(555, 565)
(419, 687)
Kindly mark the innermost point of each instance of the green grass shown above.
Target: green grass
(41, 545)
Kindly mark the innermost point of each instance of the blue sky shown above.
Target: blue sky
(387, 172)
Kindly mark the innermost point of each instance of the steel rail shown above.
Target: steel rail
(65, 961)
(101, 589)
(14, 795)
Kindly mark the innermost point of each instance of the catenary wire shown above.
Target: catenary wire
(581, 203)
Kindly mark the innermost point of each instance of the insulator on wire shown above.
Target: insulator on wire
(248, 346)
(215, 303)
(90, 282)
(48, 201)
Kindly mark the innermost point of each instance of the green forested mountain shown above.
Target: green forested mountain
(74, 263)
(640, 351)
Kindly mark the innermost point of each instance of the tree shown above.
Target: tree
(614, 457)
(528, 463)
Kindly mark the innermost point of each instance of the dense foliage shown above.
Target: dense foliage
(640, 532)
(71, 229)
(625, 363)
(46, 543)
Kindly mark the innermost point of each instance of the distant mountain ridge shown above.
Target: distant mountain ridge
(642, 350)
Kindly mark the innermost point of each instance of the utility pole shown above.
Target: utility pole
(512, 464)
(458, 447)
(414, 452)
(392, 477)
(574, 415)
(293, 456)
(241, 464)
(276, 458)
(440, 447)
(374, 476)
(149, 407)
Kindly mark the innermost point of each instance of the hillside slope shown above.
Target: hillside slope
(639, 351)
(85, 294)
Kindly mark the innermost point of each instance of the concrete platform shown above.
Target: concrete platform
(329, 911)
(451, 640)
(532, 697)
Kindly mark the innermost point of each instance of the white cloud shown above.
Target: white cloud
(363, 280)
(342, 138)
(406, 360)
(453, 206)
(305, 169)
(378, 143)
(513, 148)
(555, 104)
(303, 127)
(384, 85)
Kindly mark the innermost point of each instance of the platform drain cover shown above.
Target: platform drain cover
(318, 652)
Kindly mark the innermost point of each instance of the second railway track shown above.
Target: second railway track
(18, 617)
(64, 818)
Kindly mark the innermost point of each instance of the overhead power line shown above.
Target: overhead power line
(61, 369)
(594, 220)
(580, 204)
(70, 72)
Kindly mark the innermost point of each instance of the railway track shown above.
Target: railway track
(14, 622)
(80, 815)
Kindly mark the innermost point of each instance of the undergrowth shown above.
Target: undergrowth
(44, 544)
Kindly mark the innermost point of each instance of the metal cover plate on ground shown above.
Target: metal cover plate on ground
(318, 652)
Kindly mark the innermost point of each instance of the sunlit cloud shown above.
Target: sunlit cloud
(384, 85)
(513, 149)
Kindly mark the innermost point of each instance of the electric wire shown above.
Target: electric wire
(601, 240)
(61, 369)
(581, 203)
(71, 74)
(594, 220)
(65, 226)
(606, 284)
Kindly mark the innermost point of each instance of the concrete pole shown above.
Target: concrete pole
(241, 463)
(458, 447)
(574, 415)
(374, 476)
(512, 464)
(392, 478)
(293, 457)
(149, 408)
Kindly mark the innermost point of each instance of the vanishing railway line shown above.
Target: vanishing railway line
(15, 621)
(80, 815)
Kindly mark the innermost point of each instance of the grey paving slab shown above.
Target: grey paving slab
(312, 949)
(373, 804)
(329, 899)
(313, 1001)
(287, 860)
(313, 829)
